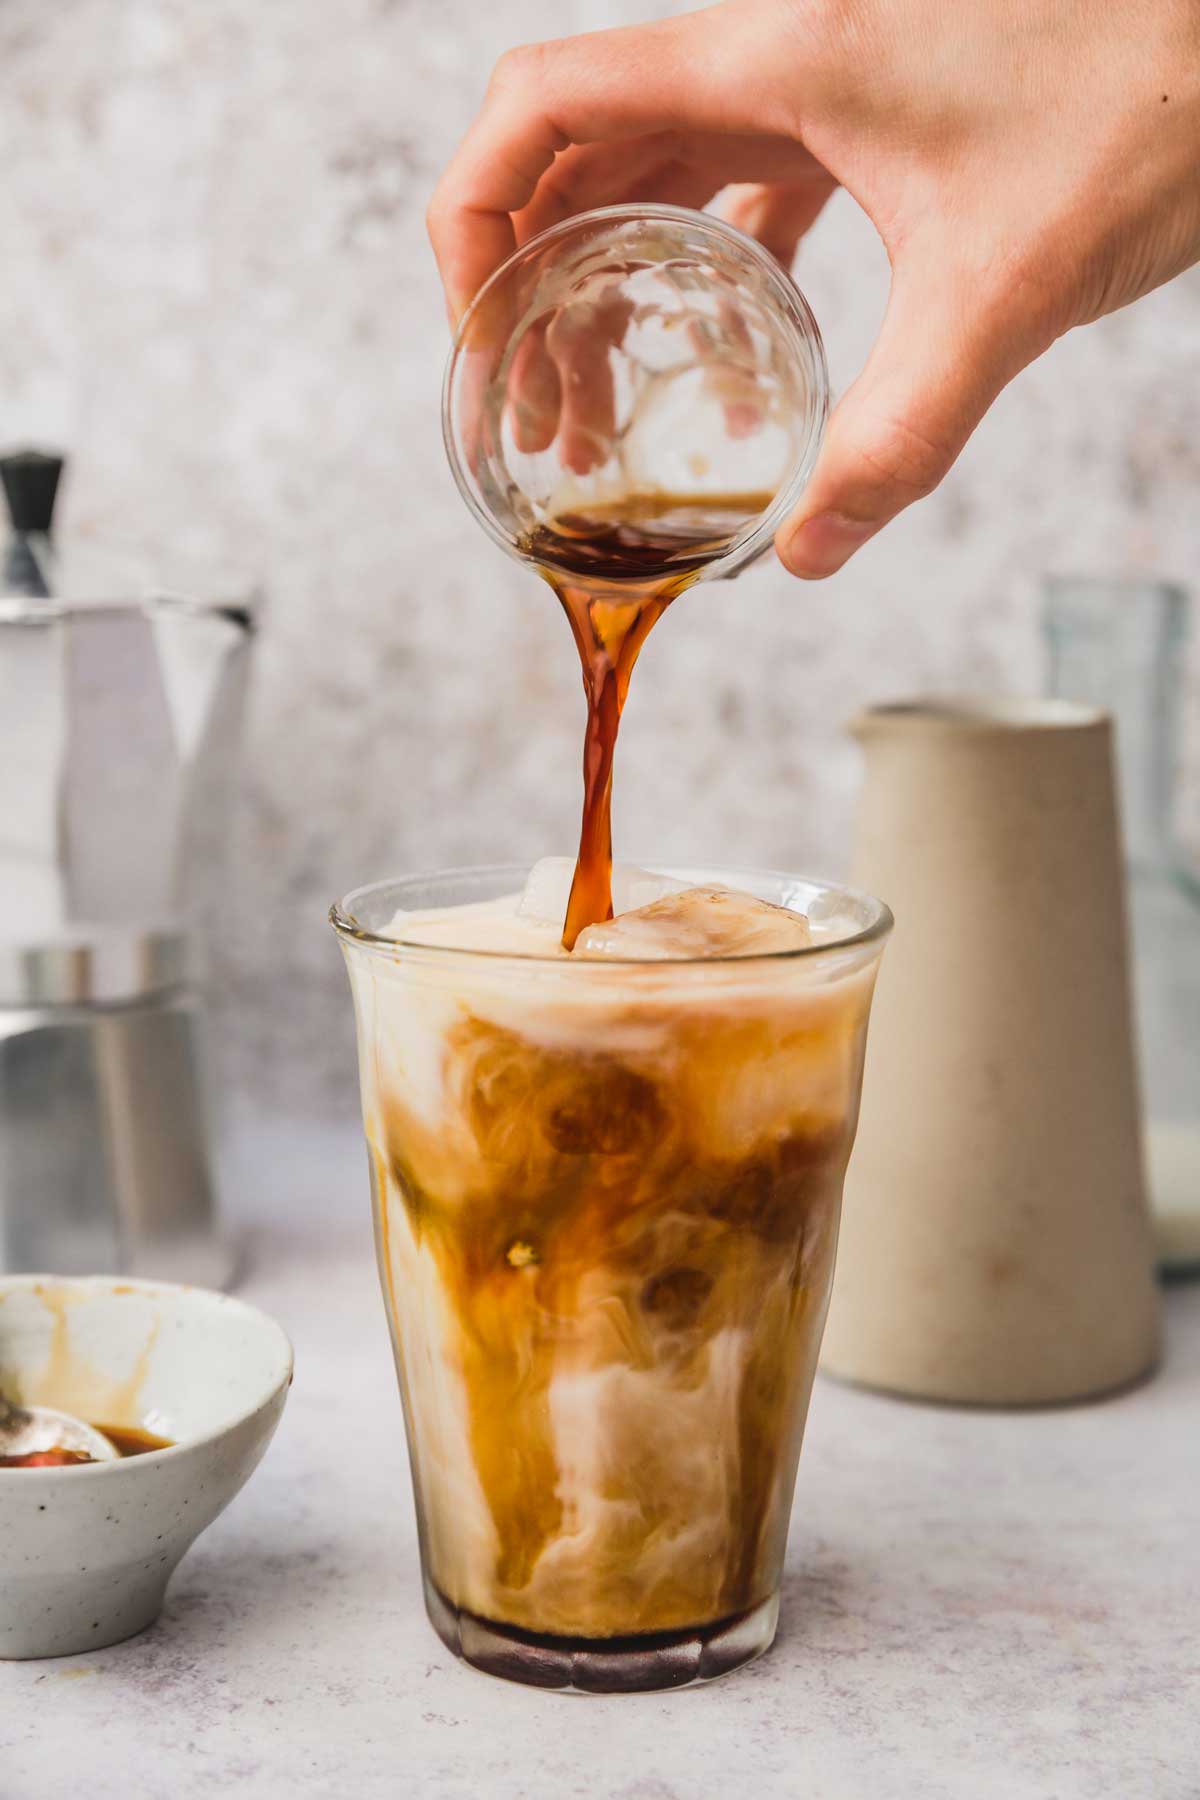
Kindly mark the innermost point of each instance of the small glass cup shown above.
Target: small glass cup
(606, 1203)
(636, 354)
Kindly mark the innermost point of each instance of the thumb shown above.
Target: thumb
(938, 363)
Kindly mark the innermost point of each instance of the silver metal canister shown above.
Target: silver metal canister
(119, 722)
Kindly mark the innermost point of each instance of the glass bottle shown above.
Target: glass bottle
(1119, 645)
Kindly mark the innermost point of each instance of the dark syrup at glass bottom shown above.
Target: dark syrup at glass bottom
(630, 1663)
(615, 570)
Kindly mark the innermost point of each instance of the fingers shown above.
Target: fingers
(534, 392)
(778, 214)
(672, 167)
(678, 74)
(941, 358)
(725, 349)
(589, 175)
(578, 339)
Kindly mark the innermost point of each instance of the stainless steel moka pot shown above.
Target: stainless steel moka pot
(119, 719)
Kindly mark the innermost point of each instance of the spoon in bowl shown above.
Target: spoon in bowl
(42, 1437)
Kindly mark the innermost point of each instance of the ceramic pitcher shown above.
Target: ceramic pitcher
(995, 1245)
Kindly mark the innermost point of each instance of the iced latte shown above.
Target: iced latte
(606, 1189)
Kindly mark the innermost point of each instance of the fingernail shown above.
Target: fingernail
(822, 544)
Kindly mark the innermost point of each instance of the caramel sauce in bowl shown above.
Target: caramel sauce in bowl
(188, 1385)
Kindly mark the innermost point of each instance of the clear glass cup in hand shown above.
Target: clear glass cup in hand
(637, 376)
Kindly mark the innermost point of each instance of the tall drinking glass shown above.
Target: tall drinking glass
(606, 1204)
(1122, 645)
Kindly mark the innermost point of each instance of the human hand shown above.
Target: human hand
(1029, 165)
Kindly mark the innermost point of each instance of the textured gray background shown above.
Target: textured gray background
(216, 290)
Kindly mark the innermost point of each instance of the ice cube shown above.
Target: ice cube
(697, 922)
(633, 889)
(548, 887)
(546, 891)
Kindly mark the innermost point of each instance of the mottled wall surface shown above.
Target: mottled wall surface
(216, 291)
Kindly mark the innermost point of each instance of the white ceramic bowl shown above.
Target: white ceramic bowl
(86, 1552)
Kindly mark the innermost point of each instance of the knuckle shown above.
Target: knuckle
(836, 18)
(902, 459)
(436, 211)
(836, 27)
(518, 68)
(1029, 294)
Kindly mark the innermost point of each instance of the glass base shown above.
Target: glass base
(617, 1665)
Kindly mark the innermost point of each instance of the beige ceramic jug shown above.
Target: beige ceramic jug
(995, 1245)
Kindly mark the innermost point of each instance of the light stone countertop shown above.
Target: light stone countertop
(986, 1604)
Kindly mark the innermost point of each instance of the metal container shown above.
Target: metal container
(119, 722)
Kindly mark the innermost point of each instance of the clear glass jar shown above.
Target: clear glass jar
(1119, 645)
(637, 357)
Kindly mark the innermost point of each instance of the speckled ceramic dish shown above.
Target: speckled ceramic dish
(86, 1552)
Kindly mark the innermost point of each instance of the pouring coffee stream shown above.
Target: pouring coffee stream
(615, 570)
(634, 402)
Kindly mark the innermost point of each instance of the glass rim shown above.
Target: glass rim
(792, 302)
(1076, 606)
(1061, 584)
(341, 917)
